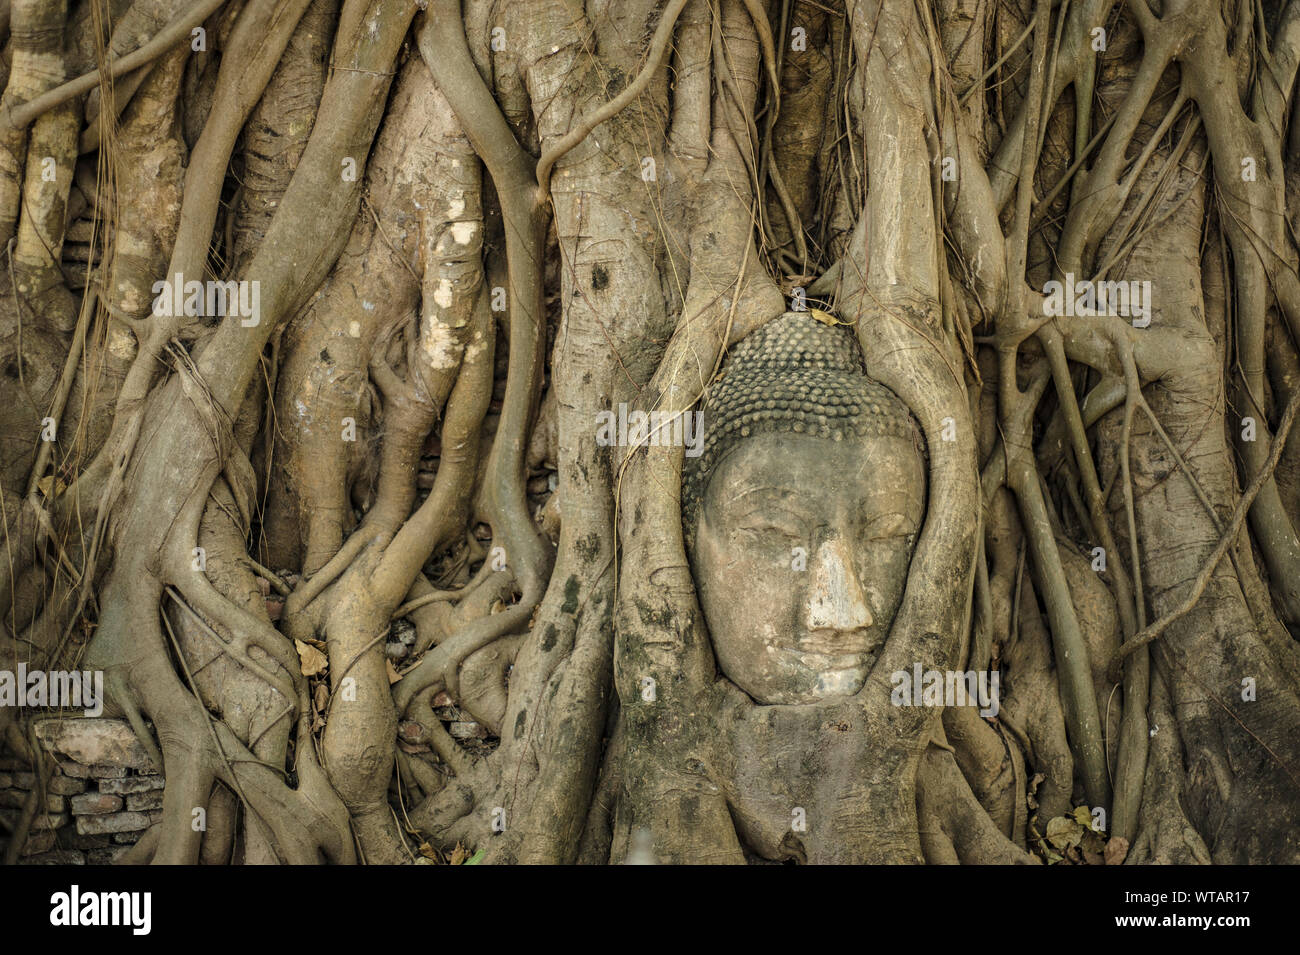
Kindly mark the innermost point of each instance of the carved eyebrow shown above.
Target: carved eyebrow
(780, 494)
(784, 517)
(784, 507)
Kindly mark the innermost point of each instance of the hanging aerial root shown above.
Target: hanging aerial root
(1226, 541)
(954, 826)
(658, 47)
(169, 36)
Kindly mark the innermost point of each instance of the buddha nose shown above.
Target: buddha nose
(835, 597)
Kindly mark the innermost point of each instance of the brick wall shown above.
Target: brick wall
(102, 794)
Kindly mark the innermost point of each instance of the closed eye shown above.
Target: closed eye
(766, 527)
(759, 525)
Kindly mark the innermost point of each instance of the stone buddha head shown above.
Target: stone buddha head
(802, 512)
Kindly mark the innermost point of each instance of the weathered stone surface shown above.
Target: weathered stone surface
(24, 780)
(78, 771)
(127, 838)
(58, 857)
(78, 841)
(107, 772)
(140, 802)
(94, 804)
(56, 803)
(6, 781)
(115, 822)
(51, 820)
(65, 785)
(131, 784)
(94, 742)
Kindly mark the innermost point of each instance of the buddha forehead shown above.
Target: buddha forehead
(799, 378)
(817, 479)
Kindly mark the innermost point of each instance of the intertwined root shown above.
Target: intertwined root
(668, 225)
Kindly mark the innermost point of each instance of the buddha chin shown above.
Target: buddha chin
(801, 556)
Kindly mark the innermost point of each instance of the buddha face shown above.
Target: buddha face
(801, 556)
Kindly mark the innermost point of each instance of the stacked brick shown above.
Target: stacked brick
(103, 793)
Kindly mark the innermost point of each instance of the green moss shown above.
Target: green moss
(570, 605)
(651, 617)
(588, 547)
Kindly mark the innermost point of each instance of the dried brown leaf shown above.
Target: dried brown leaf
(1116, 850)
(310, 660)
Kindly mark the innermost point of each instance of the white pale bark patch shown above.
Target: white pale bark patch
(131, 297)
(475, 347)
(121, 343)
(462, 232)
(438, 342)
(304, 415)
(443, 295)
(309, 395)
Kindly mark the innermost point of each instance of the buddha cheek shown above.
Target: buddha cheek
(765, 619)
(748, 647)
(749, 600)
